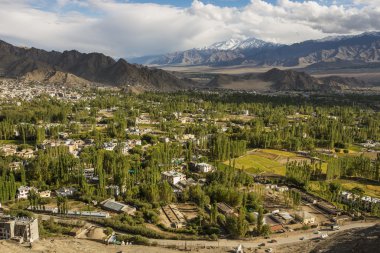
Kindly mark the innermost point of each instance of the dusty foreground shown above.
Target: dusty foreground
(358, 239)
(68, 245)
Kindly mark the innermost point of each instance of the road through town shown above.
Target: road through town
(291, 237)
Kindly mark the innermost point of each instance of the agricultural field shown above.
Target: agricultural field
(268, 161)
(265, 161)
(254, 163)
(370, 188)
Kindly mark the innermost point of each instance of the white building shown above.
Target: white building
(109, 146)
(23, 191)
(173, 177)
(45, 194)
(89, 173)
(165, 139)
(204, 167)
(65, 192)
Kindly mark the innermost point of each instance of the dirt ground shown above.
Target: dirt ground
(189, 210)
(66, 245)
(359, 239)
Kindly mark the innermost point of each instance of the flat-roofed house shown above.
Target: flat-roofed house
(65, 191)
(112, 205)
(21, 229)
(305, 217)
(23, 191)
(173, 177)
(45, 194)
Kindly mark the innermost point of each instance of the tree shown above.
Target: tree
(62, 204)
(260, 217)
(214, 214)
(166, 192)
(34, 199)
(265, 230)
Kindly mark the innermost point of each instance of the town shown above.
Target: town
(125, 169)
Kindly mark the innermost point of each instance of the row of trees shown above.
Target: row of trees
(354, 166)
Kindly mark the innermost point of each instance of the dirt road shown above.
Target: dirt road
(281, 239)
(289, 244)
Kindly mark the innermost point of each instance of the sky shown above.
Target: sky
(131, 28)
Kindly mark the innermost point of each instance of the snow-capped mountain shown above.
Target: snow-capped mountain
(233, 44)
(363, 47)
(224, 45)
(217, 53)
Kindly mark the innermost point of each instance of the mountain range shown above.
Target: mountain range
(75, 67)
(284, 80)
(363, 48)
(234, 44)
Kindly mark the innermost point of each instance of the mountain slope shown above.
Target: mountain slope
(219, 52)
(284, 80)
(94, 67)
(233, 44)
(359, 48)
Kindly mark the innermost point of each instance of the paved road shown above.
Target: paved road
(281, 238)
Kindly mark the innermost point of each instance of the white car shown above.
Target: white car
(323, 236)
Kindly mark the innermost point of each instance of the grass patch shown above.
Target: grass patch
(324, 167)
(15, 142)
(278, 152)
(257, 164)
(370, 188)
(355, 148)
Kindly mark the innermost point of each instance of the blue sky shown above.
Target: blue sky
(122, 28)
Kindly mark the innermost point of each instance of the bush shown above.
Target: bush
(132, 229)
(108, 231)
(213, 237)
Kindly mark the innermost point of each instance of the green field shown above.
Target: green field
(368, 187)
(269, 161)
(258, 164)
(279, 152)
(14, 142)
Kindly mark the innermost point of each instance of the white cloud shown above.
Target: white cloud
(128, 29)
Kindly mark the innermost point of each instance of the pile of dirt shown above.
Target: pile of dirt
(96, 234)
(365, 240)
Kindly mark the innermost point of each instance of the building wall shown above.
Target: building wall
(6, 230)
(34, 233)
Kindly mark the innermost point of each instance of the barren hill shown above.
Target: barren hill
(93, 67)
(283, 80)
